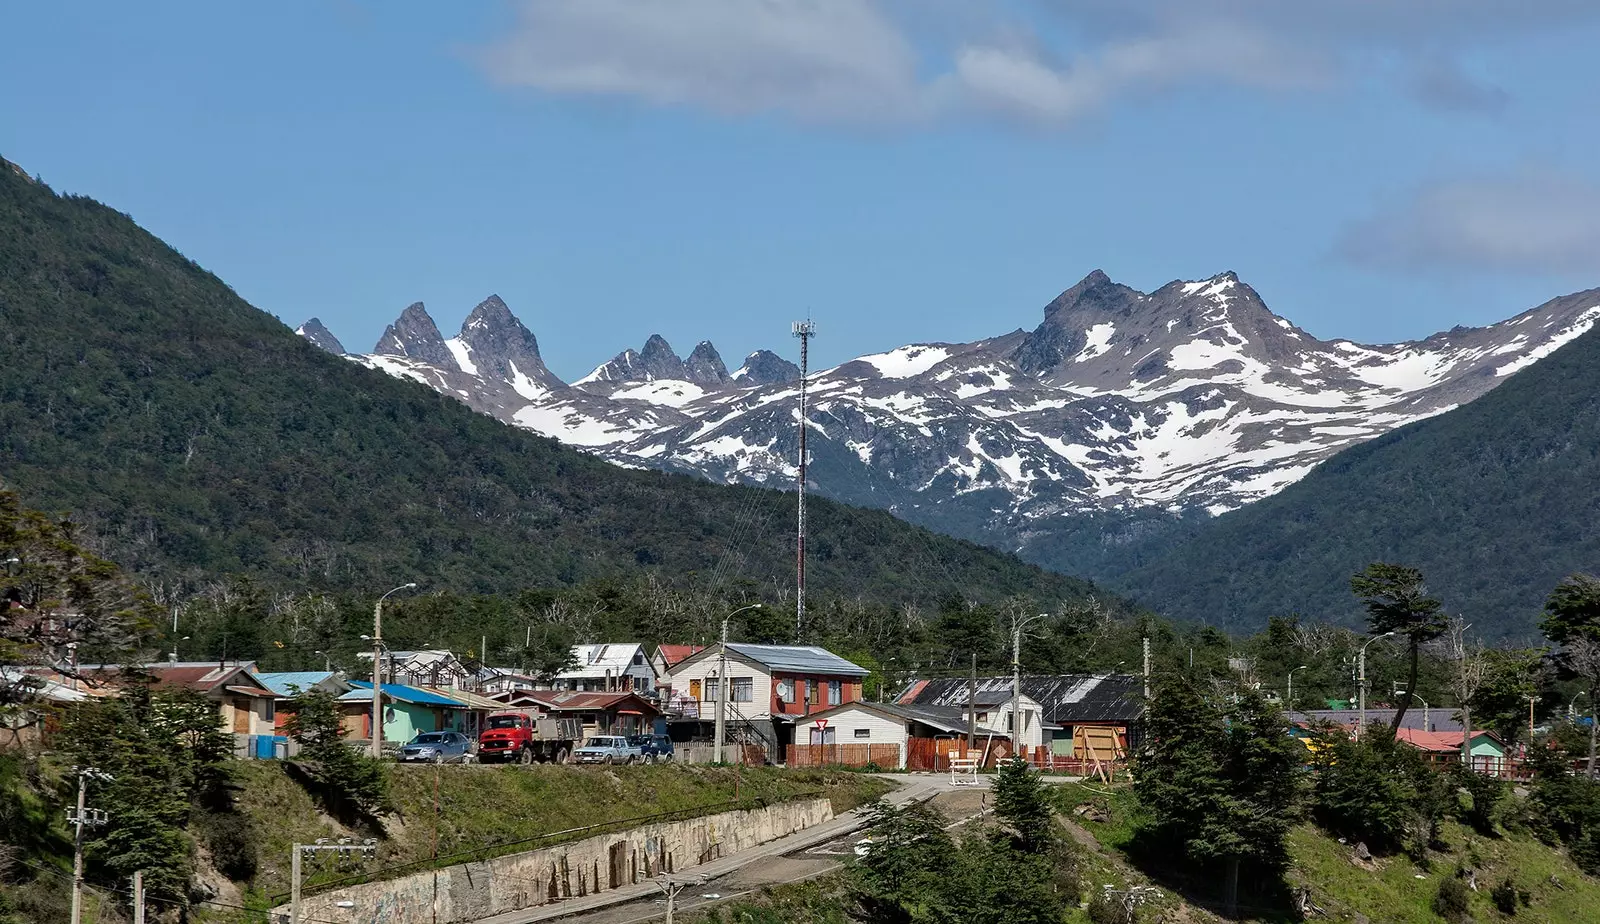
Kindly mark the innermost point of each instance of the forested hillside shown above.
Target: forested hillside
(1495, 501)
(197, 436)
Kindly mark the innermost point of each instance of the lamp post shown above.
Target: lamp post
(1017, 625)
(1361, 681)
(1418, 698)
(1573, 706)
(722, 683)
(1289, 694)
(377, 674)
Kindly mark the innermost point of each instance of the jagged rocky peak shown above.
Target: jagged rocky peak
(493, 343)
(764, 367)
(414, 335)
(319, 336)
(658, 360)
(704, 365)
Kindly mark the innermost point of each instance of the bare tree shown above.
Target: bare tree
(1470, 668)
(1581, 655)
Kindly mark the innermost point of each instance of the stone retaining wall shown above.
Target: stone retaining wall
(596, 864)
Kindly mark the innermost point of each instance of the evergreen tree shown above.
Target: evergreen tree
(1396, 600)
(352, 783)
(1572, 621)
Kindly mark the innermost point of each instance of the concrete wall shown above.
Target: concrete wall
(538, 877)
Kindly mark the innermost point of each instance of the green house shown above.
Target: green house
(407, 712)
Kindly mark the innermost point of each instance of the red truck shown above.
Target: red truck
(525, 736)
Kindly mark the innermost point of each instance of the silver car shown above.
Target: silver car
(443, 747)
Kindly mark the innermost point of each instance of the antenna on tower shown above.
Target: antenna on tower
(804, 330)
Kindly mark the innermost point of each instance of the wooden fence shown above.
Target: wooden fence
(934, 753)
(886, 756)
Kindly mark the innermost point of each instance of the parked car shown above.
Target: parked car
(608, 749)
(655, 748)
(437, 747)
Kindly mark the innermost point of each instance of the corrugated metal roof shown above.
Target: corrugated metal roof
(1438, 720)
(398, 692)
(595, 661)
(285, 683)
(1065, 698)
(801, 659)
(672, 654)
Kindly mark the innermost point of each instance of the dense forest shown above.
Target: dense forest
(1495, 501)
(195, 436)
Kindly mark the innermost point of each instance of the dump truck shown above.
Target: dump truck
(525, 736)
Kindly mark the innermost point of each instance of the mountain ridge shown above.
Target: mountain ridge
(1195, 397)
(195, 436)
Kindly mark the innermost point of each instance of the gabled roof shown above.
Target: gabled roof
(942, 718)
(671, 654)
(201, 676)
(1439, 741)
(466, 698)
(799, 659)
(595, 661)
(568, 701)
(286, 684)
(1438, 720)
(400, 693)
(1063, 698)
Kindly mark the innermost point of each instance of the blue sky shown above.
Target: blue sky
(901, 170)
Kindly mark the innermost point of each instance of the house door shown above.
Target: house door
(241, 717)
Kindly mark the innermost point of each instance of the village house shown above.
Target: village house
(430, 667)
(608, 668)
(770, 688)
(600, 713)
(1068, 720)
(286, 685)
(247, 707)
(407, 712)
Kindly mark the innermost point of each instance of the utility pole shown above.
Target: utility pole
(722, 696)
(138, 896)
(344, 848)
(972, 705)
(671, 887)
(78, 819)
(377, 671)
(804, 330)
(1017, 625)
(1361, 682)
(1146, 669)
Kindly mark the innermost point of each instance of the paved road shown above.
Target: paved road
(801, 855)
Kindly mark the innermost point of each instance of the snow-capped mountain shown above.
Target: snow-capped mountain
(1195, 396)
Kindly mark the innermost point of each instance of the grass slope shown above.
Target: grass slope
(1495, 501)
(197, 436)
(1393, 890)
(483, 806)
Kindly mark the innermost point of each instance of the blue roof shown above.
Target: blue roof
(801, 659)
(398, 692)
(286, 683)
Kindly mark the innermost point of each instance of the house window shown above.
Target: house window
(743, 689)
(863, 733)
(835, 692)
(272, 710)
(811, 690)
(786, 690)
(713, 688)
(983, 717)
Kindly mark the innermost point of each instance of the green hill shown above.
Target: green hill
(194, 436)
(1495, 501)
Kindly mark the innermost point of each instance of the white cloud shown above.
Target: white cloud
(1535, 219)
(1054, 61)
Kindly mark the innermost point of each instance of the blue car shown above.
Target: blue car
(655, 748)
(446, 747)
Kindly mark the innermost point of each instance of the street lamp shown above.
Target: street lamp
(1418, 697)
(175, 641)
(1017, 625)
(1289, 694)
(1361, 680)
(377, 678)
(722, 683)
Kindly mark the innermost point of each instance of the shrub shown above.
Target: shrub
(231, 840)
(1453, 900)
(1507, 897)
(1483, 794)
